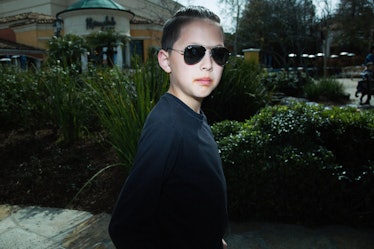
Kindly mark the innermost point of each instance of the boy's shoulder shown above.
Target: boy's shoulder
(171, 111)
(164, 111)
(163, 107)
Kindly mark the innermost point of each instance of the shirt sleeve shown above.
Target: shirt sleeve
(134, 218)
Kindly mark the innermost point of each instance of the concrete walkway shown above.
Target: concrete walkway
(350, 85)
(350, 88)
(51, 228)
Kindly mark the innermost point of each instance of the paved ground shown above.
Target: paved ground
(51, 228)
(350, 88)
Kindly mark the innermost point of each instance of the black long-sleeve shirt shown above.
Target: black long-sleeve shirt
(175, 195)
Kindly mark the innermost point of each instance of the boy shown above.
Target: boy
(175, 195)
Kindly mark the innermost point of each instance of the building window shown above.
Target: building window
(136, 49)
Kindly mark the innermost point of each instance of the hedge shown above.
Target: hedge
(300, 163)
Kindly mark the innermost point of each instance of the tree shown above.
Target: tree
(355, 23)
(108, 39)
(235, 8)
(157, 12)
(325, 28)
(66, 50)
(279, 27)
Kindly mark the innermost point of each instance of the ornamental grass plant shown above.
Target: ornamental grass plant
(123, 101)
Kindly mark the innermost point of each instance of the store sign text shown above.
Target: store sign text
(104, 25)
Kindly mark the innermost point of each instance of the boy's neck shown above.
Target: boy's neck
(194, 104)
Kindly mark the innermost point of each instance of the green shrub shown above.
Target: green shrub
(239, 94)
(18, 99)
(287, 83)
(300, 164)
(52, 97)
(325, 89)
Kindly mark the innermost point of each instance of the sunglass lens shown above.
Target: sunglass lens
(193, 54)
(220, 55)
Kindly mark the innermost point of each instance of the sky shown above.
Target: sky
(227, 22)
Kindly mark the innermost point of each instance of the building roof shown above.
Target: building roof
(13, 48)
(143, 20)
(96, 4)
(29, 17)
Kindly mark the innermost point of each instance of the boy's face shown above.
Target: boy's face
(192, 83)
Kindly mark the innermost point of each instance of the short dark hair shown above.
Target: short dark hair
(183, 16)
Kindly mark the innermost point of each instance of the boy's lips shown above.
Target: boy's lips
(204, 81)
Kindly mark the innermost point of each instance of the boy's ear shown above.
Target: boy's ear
(163, 60)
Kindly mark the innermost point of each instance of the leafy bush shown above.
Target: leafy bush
(300, 164)
(18, 99)
(240, 93)
(10, 98)
(52, 97)
(287, 83)
(325, 89)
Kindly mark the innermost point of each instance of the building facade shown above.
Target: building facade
(32, 23)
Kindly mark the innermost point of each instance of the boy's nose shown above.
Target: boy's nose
(207, 61)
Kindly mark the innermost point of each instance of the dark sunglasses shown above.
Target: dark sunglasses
(194, 53)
